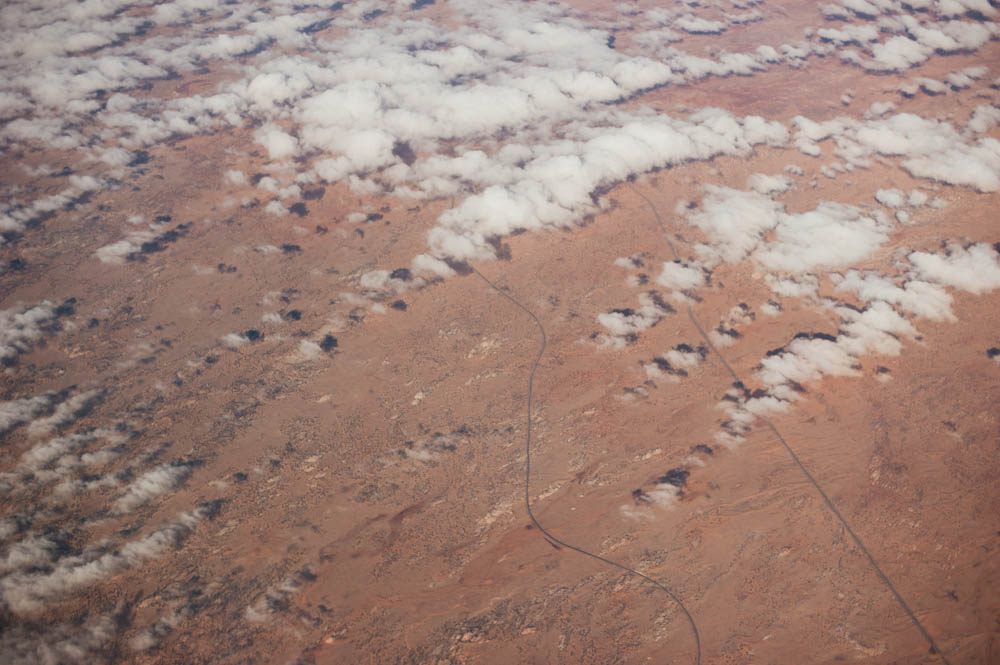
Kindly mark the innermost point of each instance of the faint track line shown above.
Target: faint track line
(795, 458)
(548, 535)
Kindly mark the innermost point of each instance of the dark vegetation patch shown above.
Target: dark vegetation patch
(420, 4)
(993, 352)
(257, 177)
(314, 194)
(373, 217)
(401, 273)
(399, 304)
(372, 15)
(293, 315)
(299, 209)
(322, 230)
(329, 343)
(702, 448)
(223, 268)
(290, 249)
(252, 335)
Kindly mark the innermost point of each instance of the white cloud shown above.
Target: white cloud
(914, 296)
(19, 411)
(681, 275)
(233, 340)
(798, 286)
(699, 26)
(76, 643)
(66, 413)
(309, 350)
(769, 184)
(27, 592)
(975, 268)
(891, 198)
(21, 326)
(150, 485)
(235, 177)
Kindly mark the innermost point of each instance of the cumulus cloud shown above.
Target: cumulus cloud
(66, 413)
(676, 362)
(735, 221)
(22, 326)
(891, 198)
(915, 296)
(19, 411)
(150, 485)
(233, 340)
(681, 275)
(278, 598)
(769, 184)
(928, 148)
(27, 591)
(58, 643)
(974, 268)
(880, 327)
(623, 325)
(832, 234)
(699, 26)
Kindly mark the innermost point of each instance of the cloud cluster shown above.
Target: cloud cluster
(397, 105)
(623, 325)
(66, 413)
(19, 411)
(832, 234)
(879, 327)
(16, 214)
(28, 590)
(676, 362)
(278, 598)
(57, 644)
(22, 326)
(974, 268)
(928, 148)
